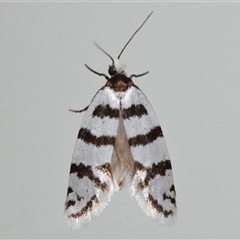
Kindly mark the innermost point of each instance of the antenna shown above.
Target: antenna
(103, 51)
(132, 35)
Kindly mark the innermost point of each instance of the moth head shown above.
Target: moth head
(116, 66)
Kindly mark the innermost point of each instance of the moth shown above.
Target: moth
(120, 143)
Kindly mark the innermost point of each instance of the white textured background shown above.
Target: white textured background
(192, 51)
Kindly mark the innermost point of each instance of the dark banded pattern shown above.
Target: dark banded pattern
(145, 139)
(172, 189)
(156, 169)
(69, 190)
(172, 200)
(88, 137)
(134, 111)
(102, 111)
(79, 198)
(69, 204)
(86, 171)
(87, 208)
(105, 168)
(159, 207)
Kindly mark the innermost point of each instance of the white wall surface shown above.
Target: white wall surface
(192, 51)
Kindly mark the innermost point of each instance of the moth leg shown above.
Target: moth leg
(99, 74)
(78, 111)
(138, 75)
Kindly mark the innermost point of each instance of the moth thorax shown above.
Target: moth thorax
(116, 67)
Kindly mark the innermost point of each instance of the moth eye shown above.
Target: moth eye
(112, 71)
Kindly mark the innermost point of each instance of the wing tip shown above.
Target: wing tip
(152, 212)
(76, 223)
(73, 221)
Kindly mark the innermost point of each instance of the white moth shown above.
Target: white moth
(120, 143)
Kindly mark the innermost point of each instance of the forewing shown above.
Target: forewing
(152, 183)
(90, 184)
